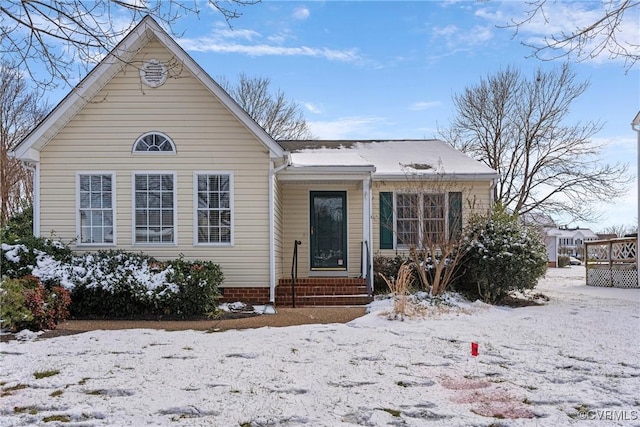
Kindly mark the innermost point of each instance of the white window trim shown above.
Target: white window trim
(154, 153)
(113, 207)
(420, 194)
(133, 208)
(195, 208)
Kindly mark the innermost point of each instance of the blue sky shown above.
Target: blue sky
(370, 70)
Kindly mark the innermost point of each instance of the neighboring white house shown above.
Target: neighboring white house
(148, 153)
(566, 241)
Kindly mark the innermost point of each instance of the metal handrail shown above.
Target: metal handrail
(294, 272)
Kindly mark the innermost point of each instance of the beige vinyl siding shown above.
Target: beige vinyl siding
(476, 198)
(207, 137)
(296, 224)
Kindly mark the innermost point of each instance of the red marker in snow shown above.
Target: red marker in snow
(474, 349)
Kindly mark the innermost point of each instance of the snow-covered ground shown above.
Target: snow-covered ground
(573, 361)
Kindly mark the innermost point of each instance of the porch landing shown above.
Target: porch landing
(322, 291)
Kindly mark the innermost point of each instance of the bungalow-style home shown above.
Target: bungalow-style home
(567, 241)
(149, 154)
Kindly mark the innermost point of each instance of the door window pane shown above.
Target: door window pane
(328, 230)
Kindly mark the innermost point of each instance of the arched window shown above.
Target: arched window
(154, 142)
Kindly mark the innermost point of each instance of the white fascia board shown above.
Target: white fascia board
(29, 155)
(435, 177)
(294, 173)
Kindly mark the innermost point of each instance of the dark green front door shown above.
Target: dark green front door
(328, 233)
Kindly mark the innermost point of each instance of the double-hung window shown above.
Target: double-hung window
(407, 219)
(420, 218)
(154, 206)
(433, 219)
(416, 218)
(95, 201)
(214, 207)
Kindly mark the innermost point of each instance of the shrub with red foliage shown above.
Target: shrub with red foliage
(48, 306)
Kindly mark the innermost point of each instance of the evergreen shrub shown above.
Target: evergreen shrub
(115, 283)
(501, 255)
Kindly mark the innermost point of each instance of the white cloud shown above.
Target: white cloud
(564, 17)
(447, 31)
(480, 34)
(354, 127)
(626, 144)
(280, 37)
(223, 31)
(457, 38)
(423, 105)
(203, 45)
(301, 13)
(224, 40)
(312, 108)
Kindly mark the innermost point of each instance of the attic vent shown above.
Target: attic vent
(419, 166)
(153, 73)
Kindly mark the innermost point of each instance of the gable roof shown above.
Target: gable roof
(392, 159)
(113, 63)
(571, 233)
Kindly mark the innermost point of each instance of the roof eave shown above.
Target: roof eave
(347, 169)
(435, 177)
(330, 173)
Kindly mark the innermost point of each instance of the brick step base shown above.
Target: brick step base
(325, 300)
(323, 291)
(310, 292)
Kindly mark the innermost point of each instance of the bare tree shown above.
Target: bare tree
(589, 40)
(518, 126)
(279, 117)
(20, 111)
(61, 34)
(620, 230)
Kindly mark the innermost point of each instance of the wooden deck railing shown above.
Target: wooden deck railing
(612, 263)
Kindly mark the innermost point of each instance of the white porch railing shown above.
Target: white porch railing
(612, 263)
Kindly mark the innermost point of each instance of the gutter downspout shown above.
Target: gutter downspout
(370, 272)
(36, 195)
(635, 125)
(494, 183)
(272, 232)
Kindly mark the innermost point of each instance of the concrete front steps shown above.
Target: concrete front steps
(323, 292)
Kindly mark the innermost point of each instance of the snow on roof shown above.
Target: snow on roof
(391, 158)
(572, 232)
